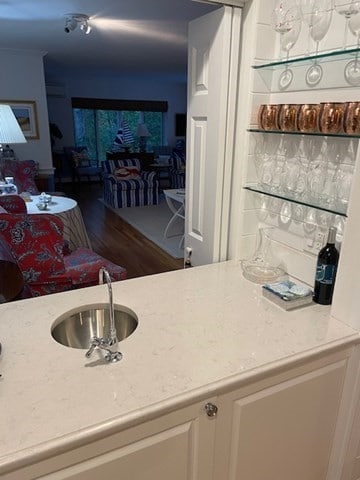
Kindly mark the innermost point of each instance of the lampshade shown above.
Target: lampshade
(142, 130)
(10, 131)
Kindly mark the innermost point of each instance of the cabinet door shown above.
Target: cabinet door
(178, 446)
(281, 432)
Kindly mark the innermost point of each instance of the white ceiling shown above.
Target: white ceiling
(127, 35)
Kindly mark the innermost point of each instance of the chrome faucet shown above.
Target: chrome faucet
(110, 345)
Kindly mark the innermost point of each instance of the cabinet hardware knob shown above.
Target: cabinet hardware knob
(211, 410)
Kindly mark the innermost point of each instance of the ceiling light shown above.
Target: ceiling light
(85, 27)
(70, 25)
(72, 20)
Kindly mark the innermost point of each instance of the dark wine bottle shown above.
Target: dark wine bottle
(326, 270)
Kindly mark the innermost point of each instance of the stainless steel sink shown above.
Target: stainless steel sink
(77, 328)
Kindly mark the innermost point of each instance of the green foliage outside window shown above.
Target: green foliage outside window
(97, 129)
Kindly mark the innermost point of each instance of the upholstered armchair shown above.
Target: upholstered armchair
(24, 173)
(12, 286)
(36, 242)
(12, 204)
(177, 169)
(80, 163)
(126, 185)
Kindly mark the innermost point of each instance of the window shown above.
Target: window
(96, 123)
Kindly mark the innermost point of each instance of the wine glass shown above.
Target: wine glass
(306, 8)
(310, 221)
(287, 22)
(344, 177)
(352, 69)
(291, 172)
(328, 195)
(348, 8)
(279, 17)
(316, 177)
(265, 168)
(263, 208)
(278, 172)
(320, 20)
(285, 213)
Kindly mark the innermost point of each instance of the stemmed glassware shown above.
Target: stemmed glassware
(286, 20)
(352, 69)
(306, 8)
(320, 19)
(344, 176)
(316, 178)
(345, 165)
(348, 8)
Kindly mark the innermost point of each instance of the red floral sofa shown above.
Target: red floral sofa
(24, 173)
(12, 204)
(12, 286)
(36, 242)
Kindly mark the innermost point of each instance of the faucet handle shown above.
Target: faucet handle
(95, 342)
(104, 344)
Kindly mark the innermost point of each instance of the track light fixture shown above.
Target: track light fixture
(72, 20)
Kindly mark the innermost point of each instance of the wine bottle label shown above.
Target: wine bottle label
(325, 273)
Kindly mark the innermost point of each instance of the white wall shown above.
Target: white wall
(114, 86)
(22, 78)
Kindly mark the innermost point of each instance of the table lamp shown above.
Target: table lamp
(10, 131)
(142, 133)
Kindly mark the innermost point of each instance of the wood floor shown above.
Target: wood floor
(115, 239)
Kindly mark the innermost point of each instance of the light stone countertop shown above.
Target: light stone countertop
(200, 330)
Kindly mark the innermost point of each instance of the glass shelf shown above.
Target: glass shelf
(321, 57)
(259, 189)
(332, 63)
(315, 134)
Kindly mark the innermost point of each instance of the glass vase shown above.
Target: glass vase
(264, 266)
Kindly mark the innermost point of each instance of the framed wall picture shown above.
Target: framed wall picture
(26, 115)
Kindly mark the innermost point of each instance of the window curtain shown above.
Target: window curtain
(108, 104)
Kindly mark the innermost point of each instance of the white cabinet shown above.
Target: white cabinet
(283, 431)
(176, 446)
(277, 427)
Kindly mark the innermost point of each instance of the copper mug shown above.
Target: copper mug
(308, 118)
(351, 122)
(331, 117)
(269, 117)
(288, 117)
(259, 116)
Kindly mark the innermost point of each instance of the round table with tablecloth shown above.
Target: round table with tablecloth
(68, 210)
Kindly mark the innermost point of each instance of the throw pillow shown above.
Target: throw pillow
(127, 173)
(80, 158)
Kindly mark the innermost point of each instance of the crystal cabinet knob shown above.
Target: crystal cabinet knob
(211, 410)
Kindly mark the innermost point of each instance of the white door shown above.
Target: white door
(214, 40)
